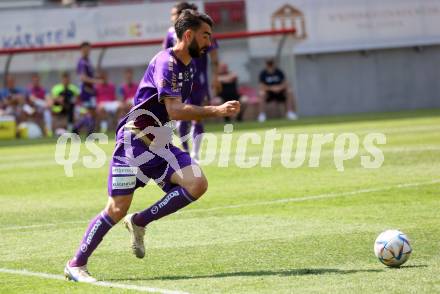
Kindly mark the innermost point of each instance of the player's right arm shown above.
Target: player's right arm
(177, 110)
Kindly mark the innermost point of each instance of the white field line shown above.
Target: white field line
(261, 203)
(100, 284)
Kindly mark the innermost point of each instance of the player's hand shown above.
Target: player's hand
(229, 108)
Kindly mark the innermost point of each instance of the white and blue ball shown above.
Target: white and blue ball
(392, 247)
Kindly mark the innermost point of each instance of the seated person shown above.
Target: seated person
(13, 101)
(37, 97)
(64, 96)
(274, 87)
(229, 88)
(107, 104)
(127, 91)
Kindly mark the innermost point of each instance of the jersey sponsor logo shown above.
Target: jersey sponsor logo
(168, 198)
(171, 63)
(174, 87)
(124, 170)
(123, 182)
(162, 83)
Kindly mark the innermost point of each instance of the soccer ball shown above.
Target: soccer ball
(392, 248)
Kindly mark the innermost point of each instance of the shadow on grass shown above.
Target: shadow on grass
(409, 266)
(281, 273)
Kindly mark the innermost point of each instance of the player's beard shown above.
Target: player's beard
(194, 49)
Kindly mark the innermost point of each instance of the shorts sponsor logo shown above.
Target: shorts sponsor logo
(123, 182)
(154, 210)
(168, 198)
(124, 170)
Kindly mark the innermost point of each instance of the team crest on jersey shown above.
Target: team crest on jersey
(186, 76)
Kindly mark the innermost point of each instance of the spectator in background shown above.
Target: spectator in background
(38, 98)
(64, 96)
(274, 87)
(229, 88)
(108, 106)
(88, 92)
(127, 91)
(13, 101)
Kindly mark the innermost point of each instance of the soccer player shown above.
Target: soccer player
(274, 87)
(200, 92)
(85, 72)
(143, 150)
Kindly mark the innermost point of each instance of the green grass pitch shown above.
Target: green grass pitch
(257, 230)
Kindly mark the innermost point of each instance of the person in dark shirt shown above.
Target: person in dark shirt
(64, 96)
(274, 87)
(229, 88)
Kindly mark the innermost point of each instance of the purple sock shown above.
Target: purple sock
(90, 125)
(80, 124)
(184, 131)
(174, 200)
(197, 138)
(98, 227)
(198, 129)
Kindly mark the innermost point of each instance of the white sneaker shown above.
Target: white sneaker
(291, 115)
(262, 117)
(136, 235)
(78, 274)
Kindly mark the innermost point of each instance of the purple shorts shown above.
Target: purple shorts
(134, 163)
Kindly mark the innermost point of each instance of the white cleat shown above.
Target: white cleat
(291, 115)
(262, 117)
(136, 236)
(78, 274)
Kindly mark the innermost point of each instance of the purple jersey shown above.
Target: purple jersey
(201, 85)
(87, 90)
(166, 76)
(170, 39)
